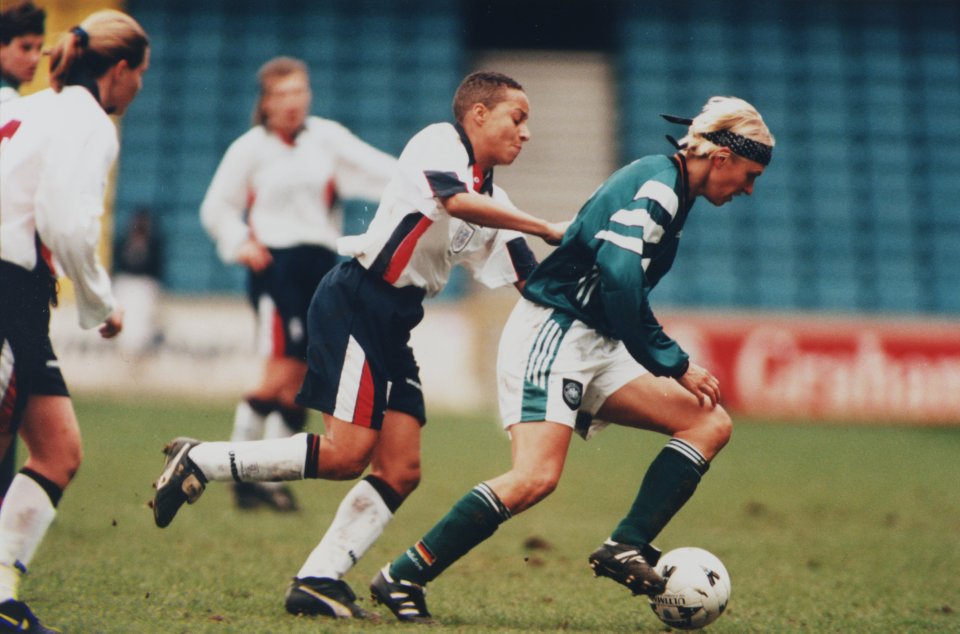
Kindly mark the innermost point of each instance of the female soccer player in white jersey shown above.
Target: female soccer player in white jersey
(21, 45)
(440, 209)
(583, 349)
(272, 207)
(56, 149)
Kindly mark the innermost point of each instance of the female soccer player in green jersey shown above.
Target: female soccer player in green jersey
(583, 349)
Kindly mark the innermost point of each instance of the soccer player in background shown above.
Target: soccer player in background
(56, 150)
(441, 209)
(21, 45)
(583, 349)
(272, 207)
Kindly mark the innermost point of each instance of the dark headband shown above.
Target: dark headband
(83, 38)
(738, 144)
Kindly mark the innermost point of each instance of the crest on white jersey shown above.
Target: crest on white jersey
(462, 237)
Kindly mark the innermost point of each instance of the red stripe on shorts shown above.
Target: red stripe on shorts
(278, 338)
(363, 411)
(7, 403)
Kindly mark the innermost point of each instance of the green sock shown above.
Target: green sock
(471, 520)
(672, 478)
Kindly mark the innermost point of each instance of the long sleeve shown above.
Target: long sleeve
(69, 205)
(362, 171)
(226, 200)
(628, 244)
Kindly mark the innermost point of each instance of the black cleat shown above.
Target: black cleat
(315, 596)
(629, 565)
(405, 599)
(16, 616)
(181, 481)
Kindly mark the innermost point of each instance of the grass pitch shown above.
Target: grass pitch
(822, 528)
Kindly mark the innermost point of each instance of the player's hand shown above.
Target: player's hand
(113, 324)
(699, 382)
(555, 231)
(254, 256)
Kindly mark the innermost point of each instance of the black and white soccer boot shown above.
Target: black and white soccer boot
(16, 616)
(316, 596)
(405, 599)
(181, 481)
(632, 566)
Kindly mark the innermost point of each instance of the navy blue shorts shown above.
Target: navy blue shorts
(359, 358)
(28, 364)
(281, 295)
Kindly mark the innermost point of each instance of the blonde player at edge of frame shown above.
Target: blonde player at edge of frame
(56, 150)
(583, 349)
(21, 47)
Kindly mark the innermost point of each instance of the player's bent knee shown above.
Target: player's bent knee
(409, 482)
(721, 428)
(538, 487)
(404, 480)
(406, 484)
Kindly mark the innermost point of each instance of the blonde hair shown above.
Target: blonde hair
(276, 68)
(725, 114)
(87, 51)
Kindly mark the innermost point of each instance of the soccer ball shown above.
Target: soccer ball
(698, 588)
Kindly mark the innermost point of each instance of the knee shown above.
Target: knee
(407, 483)
(720, 428)
(71, 459)
(403, 483)
(538, 486)
(60, 464)
(73, 462)
(403, 478)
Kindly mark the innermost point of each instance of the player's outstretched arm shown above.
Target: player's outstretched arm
(483, 210)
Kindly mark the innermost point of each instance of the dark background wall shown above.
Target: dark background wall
(859, 210)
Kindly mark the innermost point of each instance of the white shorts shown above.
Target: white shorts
(552, 367)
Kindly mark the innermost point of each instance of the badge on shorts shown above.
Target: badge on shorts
(572, 393)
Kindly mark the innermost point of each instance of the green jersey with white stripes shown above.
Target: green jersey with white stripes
(621, 243)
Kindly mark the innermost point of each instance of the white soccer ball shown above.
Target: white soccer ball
(698, 588)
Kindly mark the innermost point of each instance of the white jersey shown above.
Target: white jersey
(287, 190)
(56, 151)
(414, 241)
(7, 93)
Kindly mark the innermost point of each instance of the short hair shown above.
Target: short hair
(24, 18)
(90, 49)
(725, 113)
(484, 87)
(276, 68)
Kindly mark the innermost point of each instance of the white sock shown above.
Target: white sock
(247, 423)
(360, 520)
(25, 516)
(275, 427)
(252, 461)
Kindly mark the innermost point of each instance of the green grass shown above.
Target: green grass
(822, 528)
